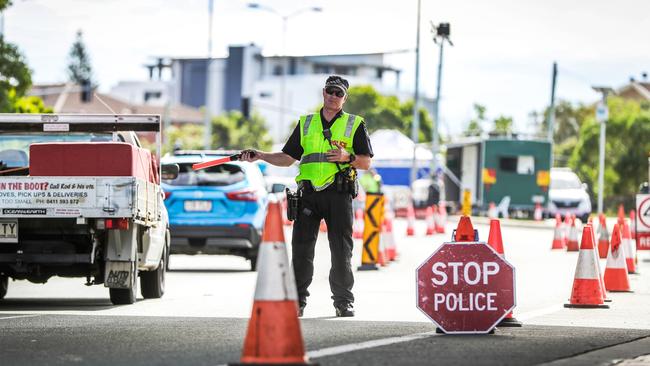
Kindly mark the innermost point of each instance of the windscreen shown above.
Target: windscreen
(565, 182)
(220, 175)
(14, 148)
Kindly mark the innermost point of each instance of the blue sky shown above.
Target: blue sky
(502, 55)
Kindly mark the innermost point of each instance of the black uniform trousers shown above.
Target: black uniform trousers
(336, 209)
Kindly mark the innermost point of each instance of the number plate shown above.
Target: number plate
(8, 231)
(198, 206)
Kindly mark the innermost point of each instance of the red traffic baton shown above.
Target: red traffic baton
(207, 164)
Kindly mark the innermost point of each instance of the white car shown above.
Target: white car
(568, 195)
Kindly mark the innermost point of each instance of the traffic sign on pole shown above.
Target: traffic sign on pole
(643, 221)
(465, 288)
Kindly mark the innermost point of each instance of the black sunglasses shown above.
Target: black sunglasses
(335, 91)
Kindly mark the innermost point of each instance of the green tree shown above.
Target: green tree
(387, 112)
(474, 126)
(626, 151)
(28, 104)
(79, 69)
(233, 131)
(568, 122)
(15, 76)
(503, 126)
(186, 136)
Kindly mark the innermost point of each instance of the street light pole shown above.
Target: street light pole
(207, 116)
(283, 54)
(441, 34)
(415, 128)
(602, 114)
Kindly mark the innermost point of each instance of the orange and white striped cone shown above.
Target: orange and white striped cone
(442, 216)
(572, 240)
(537, 214)
(436, 218)
(600, 273)
(274, 335)
(633, 224)
(630, 249)
(323, 226)
(616, 278)
(587, 291)
(621, 213)
(410, 218)
(603, 237)
(357, 226)
(495, 240)
(391, 248)
(558, 236)
(430, 220)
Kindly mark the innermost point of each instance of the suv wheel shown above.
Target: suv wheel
(4, 286)
(253, 260)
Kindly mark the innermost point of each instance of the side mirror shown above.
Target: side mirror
(169, 171)
(585, 186)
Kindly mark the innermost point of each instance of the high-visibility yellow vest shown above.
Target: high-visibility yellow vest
(314, 166)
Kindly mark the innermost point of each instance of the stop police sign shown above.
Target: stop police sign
(466, 287)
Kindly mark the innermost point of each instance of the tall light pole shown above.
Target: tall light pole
(441, 34)
(602, 114)
(283, 79)
(207, 116)
(415, 128)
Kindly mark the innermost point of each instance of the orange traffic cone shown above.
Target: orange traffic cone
(391, 248)
(274, 335)
(431, 225)
(621, 213)
(442, 218)
(323, 226)
(630, 249)
(600, 273)
(492, 211)
(495, 240)
(410, 217)
(572, 240)
(603, 237)
(558, 236)
(616, 278)
(357, 226)
(537, 214)
(465, 231)
(587, 291)
(633, 224)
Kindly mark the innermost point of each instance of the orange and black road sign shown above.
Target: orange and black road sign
(374, 216)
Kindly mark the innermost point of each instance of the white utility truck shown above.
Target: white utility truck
(80, 197)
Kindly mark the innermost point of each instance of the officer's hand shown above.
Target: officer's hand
(250, 155)
(337, 155)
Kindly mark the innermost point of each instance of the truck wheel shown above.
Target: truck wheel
(153, 282)
(4, 285)
(126, 296)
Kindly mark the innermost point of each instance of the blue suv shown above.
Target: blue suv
(218, 210)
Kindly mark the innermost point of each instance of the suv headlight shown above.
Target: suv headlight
(585, 204)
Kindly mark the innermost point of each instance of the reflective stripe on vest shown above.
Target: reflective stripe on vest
(313, 163)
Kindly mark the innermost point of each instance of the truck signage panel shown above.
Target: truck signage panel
(47, 192)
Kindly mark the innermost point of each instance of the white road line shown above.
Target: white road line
(369, 344)
(19, 316)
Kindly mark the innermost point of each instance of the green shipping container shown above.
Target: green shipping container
(493, 169)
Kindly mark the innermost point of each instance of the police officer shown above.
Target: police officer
(330, 146)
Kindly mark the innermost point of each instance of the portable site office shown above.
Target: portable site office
(492, 169)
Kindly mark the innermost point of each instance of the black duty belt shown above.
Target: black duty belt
(307, 187)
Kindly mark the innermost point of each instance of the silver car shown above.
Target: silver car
(568, 195)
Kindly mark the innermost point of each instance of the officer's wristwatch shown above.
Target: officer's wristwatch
(352, 158)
